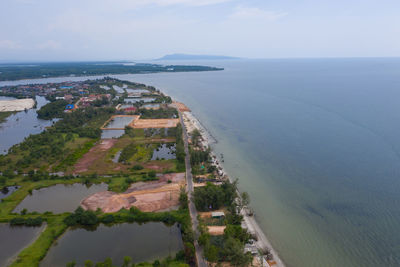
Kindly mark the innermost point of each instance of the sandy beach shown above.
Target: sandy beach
(16, 105)
(249, 222)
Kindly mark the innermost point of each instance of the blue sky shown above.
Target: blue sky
(51, 30)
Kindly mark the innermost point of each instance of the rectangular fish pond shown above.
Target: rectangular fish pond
(119, 122)
(58, 198)
(142, 242)
(138, 99)
(106, 134)
(13, 239)
(164, 151)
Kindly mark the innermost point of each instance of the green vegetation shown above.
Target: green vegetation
(161, 113)
(52, 110)
(168, 262)
(128, 152)
(26, 221)
(230, 246)
(179, 149)
(212, 197)
(59, 146)
(4, 115)
(40, 70)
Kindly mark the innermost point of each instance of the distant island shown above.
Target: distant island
(194, 57)
(46, 70)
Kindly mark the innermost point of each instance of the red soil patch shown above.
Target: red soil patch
(149, 197)
(94, 154)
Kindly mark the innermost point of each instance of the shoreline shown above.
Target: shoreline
(249, 222)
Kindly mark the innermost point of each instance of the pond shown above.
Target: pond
(7, 190)
(119, 122)
(164, 151)
(118, 89)
(15, 238)
(20, 125)
(141, 91)
(138, 99)
(116, 157)
(142, 242)
(106, 134)
(58, 198)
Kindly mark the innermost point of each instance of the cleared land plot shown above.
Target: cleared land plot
(182, 107)
(153, 196)
(16, 105)
(101, 159)
(154, 123)
(216, 230)
(94, 154)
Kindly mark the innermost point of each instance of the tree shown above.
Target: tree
(211, 253)
(127, 261)
(89, 263)
(244, 200)
(233, 252)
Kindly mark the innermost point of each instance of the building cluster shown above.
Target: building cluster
(58, 90)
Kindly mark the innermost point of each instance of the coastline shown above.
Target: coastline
(249, 222)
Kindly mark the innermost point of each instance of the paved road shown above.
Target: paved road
(192, 209)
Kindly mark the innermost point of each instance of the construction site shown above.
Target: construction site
(160, 195)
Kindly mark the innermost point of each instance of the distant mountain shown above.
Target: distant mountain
(194, 57)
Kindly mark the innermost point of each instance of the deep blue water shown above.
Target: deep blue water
(316, 143)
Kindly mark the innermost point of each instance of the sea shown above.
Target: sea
(315, 143)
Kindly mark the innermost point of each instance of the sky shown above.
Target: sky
(59, 30)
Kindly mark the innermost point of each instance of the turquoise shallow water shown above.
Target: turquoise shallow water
(316, 143)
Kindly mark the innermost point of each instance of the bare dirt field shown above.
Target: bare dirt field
(154, 123)
(16, 105)
(152, 196)
(93, 155)
(216, 230)
(182, 107)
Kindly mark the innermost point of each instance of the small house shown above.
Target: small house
(217, 214)
(69, 107)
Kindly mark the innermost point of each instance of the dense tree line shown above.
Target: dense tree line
(17, 71)
(212, 197)
(179, 148)
(199, 156)
(52, 110)
(161, 113)
(37, 221)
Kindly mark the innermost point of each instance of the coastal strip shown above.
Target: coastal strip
(249, 221)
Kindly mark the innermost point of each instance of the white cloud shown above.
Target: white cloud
(134, 4)
(9, 44)
(190, 2)
(256, 13)
(49, 44)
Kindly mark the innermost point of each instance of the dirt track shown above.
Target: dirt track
(149, 197)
